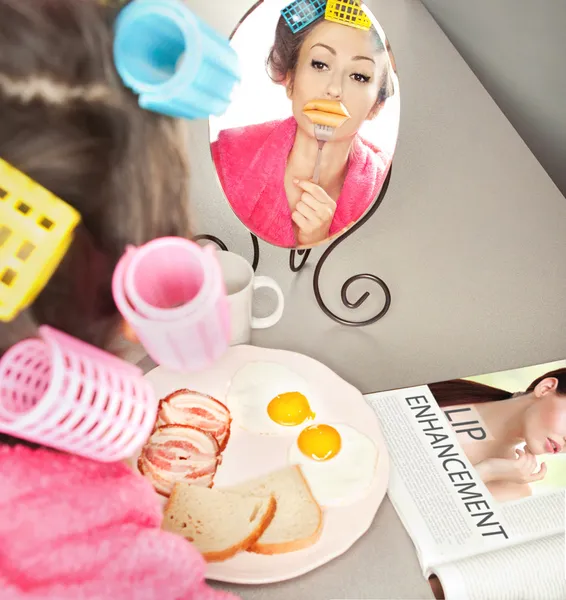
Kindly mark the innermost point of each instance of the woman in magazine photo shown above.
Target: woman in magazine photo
(71, 527)
(266, 169)
(518, 428)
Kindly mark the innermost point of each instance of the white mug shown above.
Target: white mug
(241, 283)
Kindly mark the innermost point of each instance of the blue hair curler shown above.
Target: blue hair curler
(301, 13)
(174, 62)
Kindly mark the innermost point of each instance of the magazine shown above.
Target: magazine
(478, 478)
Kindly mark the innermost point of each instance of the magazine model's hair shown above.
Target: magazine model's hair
(67, 122)
(284, 56)
(461, 391)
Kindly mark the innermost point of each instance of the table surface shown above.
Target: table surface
(470, 239)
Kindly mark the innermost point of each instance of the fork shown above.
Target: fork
(323, 134)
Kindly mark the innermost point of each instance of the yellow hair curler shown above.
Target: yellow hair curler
(347, 12)
(36, 230)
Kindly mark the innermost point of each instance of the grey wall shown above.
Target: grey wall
(517, 48)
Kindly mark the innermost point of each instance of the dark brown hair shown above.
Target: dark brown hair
(67, 121)
(284, 55)
(461, 391)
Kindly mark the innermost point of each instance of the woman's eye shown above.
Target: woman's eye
(360, 78)
(318, 65)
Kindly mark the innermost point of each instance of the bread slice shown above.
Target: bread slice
(219, 523)
(297, 522)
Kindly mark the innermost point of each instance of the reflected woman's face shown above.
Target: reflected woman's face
(338, 62)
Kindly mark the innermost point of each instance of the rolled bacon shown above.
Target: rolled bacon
(198, 410)
(179, 453)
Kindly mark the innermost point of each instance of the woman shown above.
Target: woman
(71, 527)
(535, 418)
(265, 169)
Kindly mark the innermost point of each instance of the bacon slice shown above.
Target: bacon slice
(179, 453)
(185, 407)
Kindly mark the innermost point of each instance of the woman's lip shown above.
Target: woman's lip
(329, 106)
(553, 446)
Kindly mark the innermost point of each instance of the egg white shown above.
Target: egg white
(344, 478)
(254, 386)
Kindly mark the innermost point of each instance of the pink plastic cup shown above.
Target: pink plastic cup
(60, 392)
(171, 292)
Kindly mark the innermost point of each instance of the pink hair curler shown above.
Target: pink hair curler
(60, 392)
(172, 293)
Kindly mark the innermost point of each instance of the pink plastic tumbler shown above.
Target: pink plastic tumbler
(60, 392)
(171, 292)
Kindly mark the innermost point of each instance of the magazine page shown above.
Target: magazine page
(478, 466)
(532, 571)
(444, 505)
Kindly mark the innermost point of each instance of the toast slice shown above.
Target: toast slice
(297, 523)
(217, 522)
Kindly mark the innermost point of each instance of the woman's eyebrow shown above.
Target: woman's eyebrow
(363, 58)
(329, 48)
(332, 51)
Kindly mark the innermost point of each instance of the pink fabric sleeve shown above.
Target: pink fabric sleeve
(74, 529)
(121, 562)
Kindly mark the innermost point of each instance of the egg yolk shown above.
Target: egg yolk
(289, 409)
(319, 442)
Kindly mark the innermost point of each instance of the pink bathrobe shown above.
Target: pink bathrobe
(251, 165)
(74, 529)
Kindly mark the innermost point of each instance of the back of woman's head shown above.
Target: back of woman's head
(558, 374)
(67, 122)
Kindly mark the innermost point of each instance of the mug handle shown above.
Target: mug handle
(261, 281)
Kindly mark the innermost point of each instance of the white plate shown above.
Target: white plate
(249, 455)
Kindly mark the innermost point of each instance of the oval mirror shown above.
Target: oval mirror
(305, 146)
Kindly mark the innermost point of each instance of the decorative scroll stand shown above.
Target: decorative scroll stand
(304, 255)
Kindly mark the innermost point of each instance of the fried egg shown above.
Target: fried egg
(271, 399)
(338, 462)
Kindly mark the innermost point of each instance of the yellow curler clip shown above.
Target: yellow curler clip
(36, 230)
(347, 12)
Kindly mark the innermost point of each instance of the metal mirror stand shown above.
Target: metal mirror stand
(304, 255)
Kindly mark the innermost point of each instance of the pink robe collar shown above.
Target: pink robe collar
(251, 164)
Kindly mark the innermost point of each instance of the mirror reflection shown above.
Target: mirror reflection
(304, 148)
